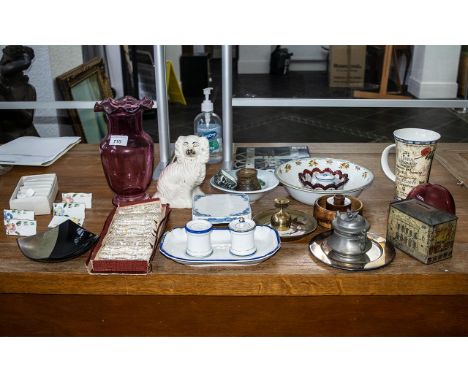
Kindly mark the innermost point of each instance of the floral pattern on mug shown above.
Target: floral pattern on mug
(427, 153)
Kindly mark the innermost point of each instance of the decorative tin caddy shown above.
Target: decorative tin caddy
(420, 230)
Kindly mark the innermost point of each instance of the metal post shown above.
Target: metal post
(163, 109)
(465, 109)
(227, 106)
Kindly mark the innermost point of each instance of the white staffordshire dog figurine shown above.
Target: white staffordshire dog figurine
(180, 180)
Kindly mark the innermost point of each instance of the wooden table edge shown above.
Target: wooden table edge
(363, 284)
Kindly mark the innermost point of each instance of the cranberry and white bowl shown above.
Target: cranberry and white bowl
(359, 177)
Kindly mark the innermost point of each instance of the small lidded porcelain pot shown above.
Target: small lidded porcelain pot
(242, 237)
(324, 178)
(199, 238)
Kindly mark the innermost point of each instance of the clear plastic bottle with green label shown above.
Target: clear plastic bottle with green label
(208, 124)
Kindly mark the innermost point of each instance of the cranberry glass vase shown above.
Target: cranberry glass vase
(127, 151)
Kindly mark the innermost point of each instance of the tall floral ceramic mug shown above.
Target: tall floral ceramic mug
(414, 153)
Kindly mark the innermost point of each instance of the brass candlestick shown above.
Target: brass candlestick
(281, 220)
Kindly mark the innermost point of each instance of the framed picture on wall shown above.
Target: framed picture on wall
(87, 82)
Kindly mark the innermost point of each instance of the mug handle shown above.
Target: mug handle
(384, 163)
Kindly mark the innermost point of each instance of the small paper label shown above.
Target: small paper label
(70, 209)
(75, 197)
(18, 214)
(56, 220)
(19, 227)
(118, 140)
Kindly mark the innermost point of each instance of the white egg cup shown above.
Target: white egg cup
(199, 238)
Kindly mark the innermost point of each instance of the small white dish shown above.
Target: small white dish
(174, 243)
(221, 208)
(288, 174)
(267, 179)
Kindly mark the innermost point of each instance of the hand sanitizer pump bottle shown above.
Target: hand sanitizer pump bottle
(208, 124)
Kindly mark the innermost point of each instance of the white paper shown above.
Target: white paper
(19, 227)
(18, 214)
(76, 210)
(57, 220)
(35, 151)
(77, 197)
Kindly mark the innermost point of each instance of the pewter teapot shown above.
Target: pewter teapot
(349, 240)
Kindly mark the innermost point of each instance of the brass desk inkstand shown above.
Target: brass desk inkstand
(349, 241)
(350, 245)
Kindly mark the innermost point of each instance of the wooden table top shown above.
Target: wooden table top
(292, 271)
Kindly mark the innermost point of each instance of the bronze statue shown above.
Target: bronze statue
(14, 86)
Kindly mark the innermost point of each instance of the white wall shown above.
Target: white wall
(40, 76)
(254, 59)
(114, 63)
(307, 57)
(64, 57)
(434, 71)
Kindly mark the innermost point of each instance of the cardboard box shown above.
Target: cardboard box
(40, 204)
(347, 65)
(97, 263)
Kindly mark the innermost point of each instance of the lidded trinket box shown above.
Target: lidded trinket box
(326, 179)
(420, 230)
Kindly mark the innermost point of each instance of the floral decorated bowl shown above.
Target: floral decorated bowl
(359, 177)
(266, 178)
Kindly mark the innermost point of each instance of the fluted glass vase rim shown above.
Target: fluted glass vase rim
(125, 105)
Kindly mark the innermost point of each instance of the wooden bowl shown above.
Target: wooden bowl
(325, 217)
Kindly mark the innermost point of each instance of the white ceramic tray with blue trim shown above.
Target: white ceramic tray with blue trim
(221, 208)
(174, 243)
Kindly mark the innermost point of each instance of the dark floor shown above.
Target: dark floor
(281, 124)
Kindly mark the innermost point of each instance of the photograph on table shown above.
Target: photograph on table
(267, 158)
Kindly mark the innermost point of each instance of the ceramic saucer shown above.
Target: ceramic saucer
(303, 224)
(380, 254)
(221, 208)
(267, 179)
